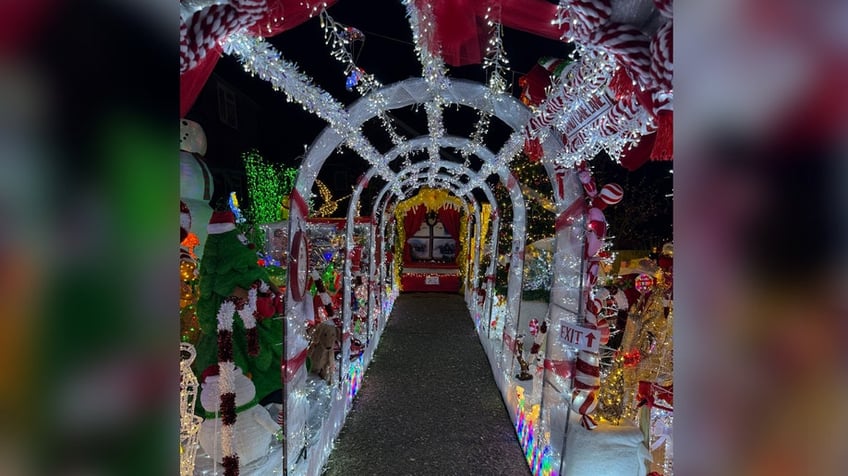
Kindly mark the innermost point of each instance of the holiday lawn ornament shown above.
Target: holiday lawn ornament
(196, 186)
(321, 356)
(241, 433)
(587, 368)
(519, 354)
(189, 422)
(192, 137)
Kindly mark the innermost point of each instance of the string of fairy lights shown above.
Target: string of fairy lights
(433, 70)
(496, 65)
(341, 39)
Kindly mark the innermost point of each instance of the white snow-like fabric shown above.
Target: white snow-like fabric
(252, 436)
(244, 389)
(225, 315)
(247, 313)
(608, 450)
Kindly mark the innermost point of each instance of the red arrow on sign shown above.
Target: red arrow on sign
(589, 339)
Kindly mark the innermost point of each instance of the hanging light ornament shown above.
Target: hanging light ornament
(496, 65)
(342, 39)
(433, 69)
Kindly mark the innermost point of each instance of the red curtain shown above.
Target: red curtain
(462, 31)
(293, 13)
(451, 220)
(413, 220)
(193, 80)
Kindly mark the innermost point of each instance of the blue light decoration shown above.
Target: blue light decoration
(234, 207)
(350, 33)
(328, 255)
(355, 375)
(353, 79)
(269, 259)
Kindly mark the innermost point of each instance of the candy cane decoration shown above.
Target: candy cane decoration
(592, 13)
(664, 7)
(206, 27)
(587, 381)
(662, 67)
(619, 116)
(226, 387)
(644, 62)
(534, 327)
(662, 71)
(629, 45)
(587, 368)
(595, 320)
(583, 16)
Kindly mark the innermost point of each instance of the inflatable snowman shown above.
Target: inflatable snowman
(254, 429)
(196, 183)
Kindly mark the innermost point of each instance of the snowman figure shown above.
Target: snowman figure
(254, 428)
(196, 182)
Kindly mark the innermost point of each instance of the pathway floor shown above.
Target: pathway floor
(428, 404)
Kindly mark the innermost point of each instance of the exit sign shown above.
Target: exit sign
(580, 337)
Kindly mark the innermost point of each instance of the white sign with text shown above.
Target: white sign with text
(580, 337)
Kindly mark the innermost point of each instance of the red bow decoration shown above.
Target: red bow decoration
(632, 359)
(533, 149)
(650, 393)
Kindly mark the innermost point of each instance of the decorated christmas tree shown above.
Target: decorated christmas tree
(235, 308)
(537, 190)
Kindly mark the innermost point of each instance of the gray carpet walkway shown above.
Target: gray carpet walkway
(428, 404)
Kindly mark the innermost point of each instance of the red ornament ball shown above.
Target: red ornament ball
(611, 193)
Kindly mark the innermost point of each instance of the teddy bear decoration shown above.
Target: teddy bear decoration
(321, 352)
